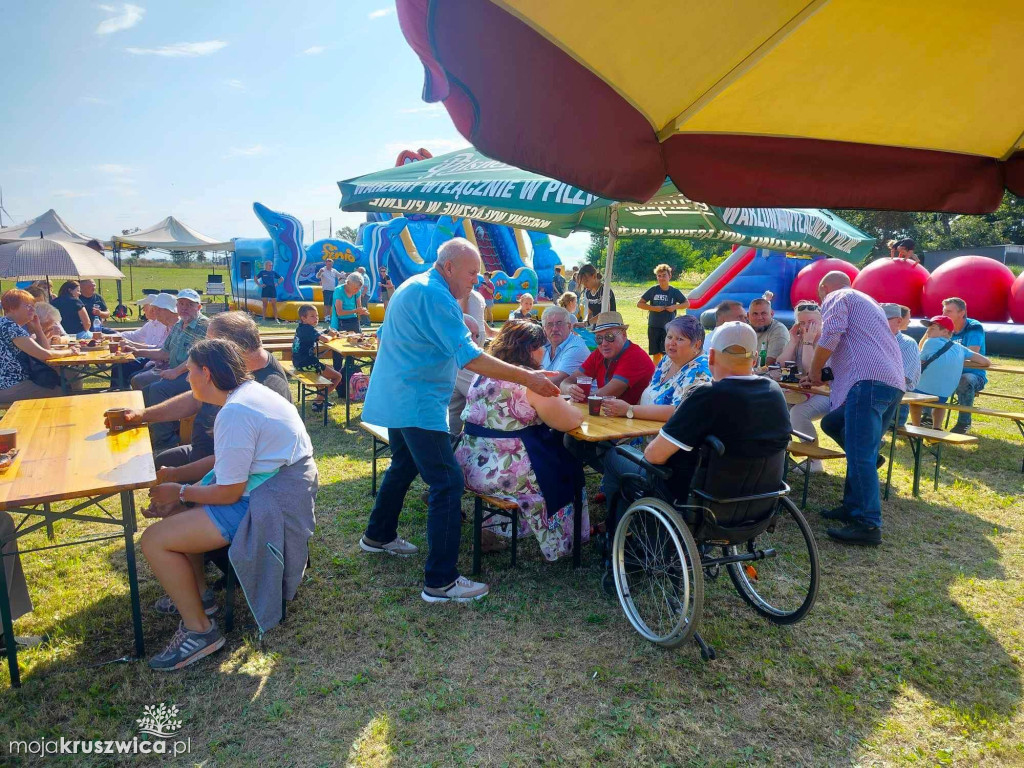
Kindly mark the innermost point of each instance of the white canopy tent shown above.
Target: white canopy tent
(170, 234)
(52, 227)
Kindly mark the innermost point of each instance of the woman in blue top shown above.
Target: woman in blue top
(942, 362)
(347, 307)
(269, 279)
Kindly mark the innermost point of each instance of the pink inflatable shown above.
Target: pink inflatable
(805, 284)
(983, 283)
(1017, 299)
(894, 280)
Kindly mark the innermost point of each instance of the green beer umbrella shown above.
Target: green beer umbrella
(466, 184)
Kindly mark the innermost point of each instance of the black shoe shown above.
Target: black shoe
(840, 514)
(880, 461)
(857, 533)
(961, 429)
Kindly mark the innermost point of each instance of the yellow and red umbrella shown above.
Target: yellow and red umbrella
(910, 105)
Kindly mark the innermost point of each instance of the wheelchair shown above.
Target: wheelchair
(738, 516)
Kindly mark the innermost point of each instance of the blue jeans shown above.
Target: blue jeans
(858, 426)
(427, 453)
(971, 383)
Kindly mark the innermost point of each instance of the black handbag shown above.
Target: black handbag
(38, 372)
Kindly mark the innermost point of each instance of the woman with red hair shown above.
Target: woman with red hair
(17, 328)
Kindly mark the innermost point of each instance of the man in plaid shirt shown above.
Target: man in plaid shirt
(866, 390)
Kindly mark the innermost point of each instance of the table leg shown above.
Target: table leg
(348, 389)
(577, 528)
(64, 385)
(917, 446)
(938, 461)
(128, 516)
(49, 522)
(8, 626)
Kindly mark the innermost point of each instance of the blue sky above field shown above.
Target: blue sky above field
(117, 114)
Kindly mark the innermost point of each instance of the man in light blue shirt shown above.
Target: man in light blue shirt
(565, 351)
(909, 353)
(423, 344)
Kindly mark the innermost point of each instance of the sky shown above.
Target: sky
(119, 114)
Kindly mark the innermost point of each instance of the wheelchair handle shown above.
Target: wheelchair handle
(715, 444)
(801, 436)
(662, 472)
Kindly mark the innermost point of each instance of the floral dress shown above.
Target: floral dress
(500, 467)
(666, 390)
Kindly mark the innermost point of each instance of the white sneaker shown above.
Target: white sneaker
(462, 590)
(816, 466)
(398, 547)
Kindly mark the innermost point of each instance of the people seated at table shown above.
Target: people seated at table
(73, 315)
(564, 351)
(95, 305)
(160, 385)
(161, 313)
(42, 290)
(509, 449)
(23, 372)
(747, 413)
(305, 355)
(942, 364)
(258, 434)
(971, 334)
(772, 334)
(909, 353)
(728, 311)
(347, 308)
(805, 408)
(17, 588)
(49, 321)
(186, 460)
(526, 310)
(592, 292)
(661, 301)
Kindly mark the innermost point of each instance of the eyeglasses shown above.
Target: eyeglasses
(607, 337)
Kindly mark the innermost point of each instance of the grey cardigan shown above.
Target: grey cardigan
(271, 548)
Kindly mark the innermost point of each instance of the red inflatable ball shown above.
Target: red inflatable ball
(899, 281)
(983, 283)
(805, 284)
(1017, 299)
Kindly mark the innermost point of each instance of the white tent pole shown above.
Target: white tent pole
(609, 262)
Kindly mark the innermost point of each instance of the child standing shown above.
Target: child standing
(305, 358)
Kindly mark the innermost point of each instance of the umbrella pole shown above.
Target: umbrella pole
(609, 262)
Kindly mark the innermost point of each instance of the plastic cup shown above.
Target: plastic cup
(97, 335)
(585, 383)
(8, 440)
(114, 347)
(115, 418)
(594, 405)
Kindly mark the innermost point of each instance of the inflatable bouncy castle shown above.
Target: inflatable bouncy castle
(520, 261)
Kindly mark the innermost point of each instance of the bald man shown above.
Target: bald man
(423, 344)
(866, 390)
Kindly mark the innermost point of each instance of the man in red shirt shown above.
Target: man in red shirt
(618, 367)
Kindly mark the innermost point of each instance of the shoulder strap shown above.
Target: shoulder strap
(936, 356)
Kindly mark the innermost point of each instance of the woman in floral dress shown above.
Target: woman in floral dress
(512, 445)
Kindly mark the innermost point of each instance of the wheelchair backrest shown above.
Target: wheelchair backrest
(719, 479)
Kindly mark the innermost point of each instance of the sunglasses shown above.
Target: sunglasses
(807, 307)
(607, 337)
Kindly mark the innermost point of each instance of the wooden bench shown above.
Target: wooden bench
(1016, 418)
(800, 454)
(485, 509)
(381, 447)
(1017, 398)
(308, 382)
(918, 437)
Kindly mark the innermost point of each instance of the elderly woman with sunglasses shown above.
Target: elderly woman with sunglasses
(805, 408)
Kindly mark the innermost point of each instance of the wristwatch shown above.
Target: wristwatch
(629, 412)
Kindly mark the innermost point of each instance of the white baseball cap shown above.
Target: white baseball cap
(188, 293)
(735, 334)
(146, 300)
(165, 301)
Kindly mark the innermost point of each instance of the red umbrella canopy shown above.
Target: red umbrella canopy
(791, 103)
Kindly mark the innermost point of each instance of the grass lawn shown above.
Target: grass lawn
(911, 656)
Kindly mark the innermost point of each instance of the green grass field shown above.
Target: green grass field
(911, 656)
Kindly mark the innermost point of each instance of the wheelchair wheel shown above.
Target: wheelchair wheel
(657, 573)
(781, 588)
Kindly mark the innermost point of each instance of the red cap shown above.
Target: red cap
(942, 321)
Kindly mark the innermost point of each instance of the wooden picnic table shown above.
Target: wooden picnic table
(92, 362)
(65, 453)
(995, 368)
(909, 398)
(351, 351)
(596, 429)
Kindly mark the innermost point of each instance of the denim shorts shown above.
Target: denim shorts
(228, 517)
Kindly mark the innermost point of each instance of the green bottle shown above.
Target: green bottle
(764, 354)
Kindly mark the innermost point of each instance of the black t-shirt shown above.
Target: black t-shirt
(749, 416)
(593, 300)
(268, 279)
(273, 377)
(304, 345)
(659, 298)
(92, 301)
(68, 308)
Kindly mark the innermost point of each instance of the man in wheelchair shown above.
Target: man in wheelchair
(724, 447)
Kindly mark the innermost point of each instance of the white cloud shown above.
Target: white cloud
(128, 17)
(92, 100)
(237, 84)
(67, 193)
(314, 50)
(434, 146)
(427, 110)
(180, 49)
(255, 149)
(380, 13)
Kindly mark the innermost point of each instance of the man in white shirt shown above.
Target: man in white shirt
(161, 311)
(564, 351)
(328, 277)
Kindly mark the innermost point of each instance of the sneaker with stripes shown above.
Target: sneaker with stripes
(187, 647)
